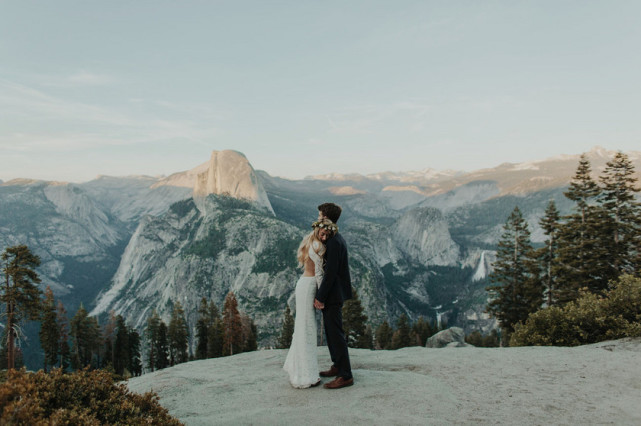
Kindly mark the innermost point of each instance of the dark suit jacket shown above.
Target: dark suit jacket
(336, 286)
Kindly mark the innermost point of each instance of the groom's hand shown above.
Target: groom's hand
(318, 305)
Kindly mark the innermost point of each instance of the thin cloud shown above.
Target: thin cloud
(86, 78)
(364, 119)
(61, 123)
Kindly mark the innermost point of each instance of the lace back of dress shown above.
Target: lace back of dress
(318, 262)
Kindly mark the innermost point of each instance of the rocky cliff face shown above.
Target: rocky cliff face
(131, 198)
(424, 236)
(205, 248)
(229, 173)
(73, 235)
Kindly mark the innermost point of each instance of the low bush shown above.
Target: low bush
(589, 319)
(477, 339)
(81, 398)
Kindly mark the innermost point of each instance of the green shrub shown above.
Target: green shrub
(81, 398)
(480, 341)
(589, 319)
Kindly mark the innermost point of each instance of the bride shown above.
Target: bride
(301, 362)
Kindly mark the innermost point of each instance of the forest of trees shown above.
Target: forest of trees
(67, 344)
(81, 342)
(586, 256)
(217, 334)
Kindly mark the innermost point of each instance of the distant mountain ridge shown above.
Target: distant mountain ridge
(509, 178)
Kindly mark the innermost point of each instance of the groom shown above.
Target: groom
(335, 288)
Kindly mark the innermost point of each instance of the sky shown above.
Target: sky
(303, 88)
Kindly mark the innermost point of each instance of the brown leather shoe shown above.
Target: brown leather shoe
(338, 383)
(332, 372)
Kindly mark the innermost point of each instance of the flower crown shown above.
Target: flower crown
(332, 227)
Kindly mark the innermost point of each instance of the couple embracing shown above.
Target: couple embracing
(325, 285)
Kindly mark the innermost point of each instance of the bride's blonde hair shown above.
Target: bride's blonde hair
(310, 239)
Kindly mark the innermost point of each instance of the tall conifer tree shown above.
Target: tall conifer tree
(232, 325)
(135, 362)
(49, 332)
(19, 293)
(250, 334)
(178, 334)
(215, 339)
(121, 349)
(622, 227)
(63, 327)
(151, 335)
(162, 346)
(548, 254)
(85, 337)
(355, 323)
(215, 334)
(384, 336)
(401, 337)
(108, 341)
(580, 254)
(202, 329)
(517, 292)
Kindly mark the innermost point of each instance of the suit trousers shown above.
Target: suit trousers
(336, 342)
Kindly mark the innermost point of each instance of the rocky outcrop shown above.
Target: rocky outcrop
(131, 198)
(229, 173)
(74, 236)
(453, 337)
(423, 235)
(205, 248)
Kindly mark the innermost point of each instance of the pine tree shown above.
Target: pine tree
(401, 337)
(108, 341)
(518, 292)
(384, 336)
(579, 252)
(135, 363)
(162, 346)
(49, 332)
(157, 344)
(215, 339)
(285, 340)
(232, 325)
(85, 337)
(421, 331)
(250, 340)
(121, 349)
(63, 328)
(548, 254)
(622, 228)
(151, 334)
(215, 333)
(178, 334)
(354, 322)
(202, 329)
(20, 294)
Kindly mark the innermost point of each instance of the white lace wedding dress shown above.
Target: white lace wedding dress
(302, 361)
